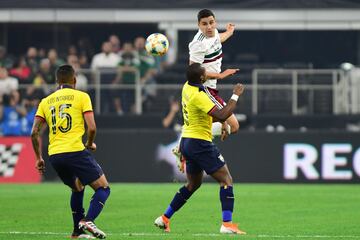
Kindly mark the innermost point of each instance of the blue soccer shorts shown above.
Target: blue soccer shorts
(72, 165)
(201, 155)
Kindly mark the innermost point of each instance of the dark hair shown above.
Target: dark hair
(204, 13)
(65, 74)
(194, 73)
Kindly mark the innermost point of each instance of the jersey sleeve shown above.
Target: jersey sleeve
(40, 111)
(203, 102)
(197, 51)
(87, 106)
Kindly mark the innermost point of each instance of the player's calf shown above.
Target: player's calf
(178, 201)
(97, 203)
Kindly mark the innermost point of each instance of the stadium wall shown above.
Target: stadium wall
(257, 157)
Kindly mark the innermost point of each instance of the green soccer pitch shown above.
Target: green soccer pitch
(264, 211)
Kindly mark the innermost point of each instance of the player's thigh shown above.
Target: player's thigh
(78, 186)
(60, 164)
(187, 148)
(208, 157)
(214, 96)
(192, 168)
(233, 122)
(86, 168)
(223, 176)
(220, 103)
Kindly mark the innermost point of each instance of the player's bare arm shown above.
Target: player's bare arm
(225, 113)
(230, 28)
(224, 74)
(36, 138)
(91, 130)
(212, 75)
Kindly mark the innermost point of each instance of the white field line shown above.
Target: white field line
(194, 235)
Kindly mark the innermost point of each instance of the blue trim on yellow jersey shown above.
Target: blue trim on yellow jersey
(200, 86)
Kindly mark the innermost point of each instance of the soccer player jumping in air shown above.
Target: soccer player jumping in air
(200, 153)
(206, 49)
(64, 111)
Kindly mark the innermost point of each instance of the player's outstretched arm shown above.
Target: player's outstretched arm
(230, 28)
(214, 75)
(36, 139)
(91, 130)
(224, 74)
(225, 113)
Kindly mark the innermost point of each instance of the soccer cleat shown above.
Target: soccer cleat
(80, 234)
(163, 222)
(91, 227)
(230, 228)
(180, 160)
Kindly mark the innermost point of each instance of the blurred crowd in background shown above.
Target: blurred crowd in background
(26, 79)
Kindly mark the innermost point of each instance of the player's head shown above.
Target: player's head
(65, 74)
(207, 22)
(195, 74)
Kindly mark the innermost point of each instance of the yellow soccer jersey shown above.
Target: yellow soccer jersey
(63, 112)
(196, 105)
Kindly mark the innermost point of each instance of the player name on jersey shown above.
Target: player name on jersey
(61, 98)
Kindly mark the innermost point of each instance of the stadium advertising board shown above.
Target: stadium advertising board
(261, 157)
(301, 157)
(17, 161)
(294, 157)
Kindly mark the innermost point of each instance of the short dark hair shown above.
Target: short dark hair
(204, 13)
(194, 73)
(65, 74)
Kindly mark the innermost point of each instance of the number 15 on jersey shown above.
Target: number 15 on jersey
(63, 116)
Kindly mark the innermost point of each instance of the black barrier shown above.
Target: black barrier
(145, 156)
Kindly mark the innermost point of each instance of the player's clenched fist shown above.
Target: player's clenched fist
(238, 89)
(91, 147)
(230, 27)
(40, 165)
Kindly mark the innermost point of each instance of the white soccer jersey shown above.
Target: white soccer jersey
(208, 52)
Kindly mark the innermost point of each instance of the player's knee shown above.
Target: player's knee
(77, 187)
(192, 187)
(234, 127)
(227, 181)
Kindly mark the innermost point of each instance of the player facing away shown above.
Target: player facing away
(65, 111)
(200, 153)
(206, 49)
